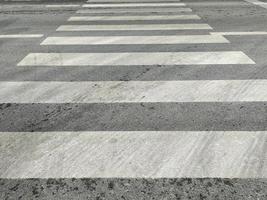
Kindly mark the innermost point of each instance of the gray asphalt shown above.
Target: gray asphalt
(224, 16)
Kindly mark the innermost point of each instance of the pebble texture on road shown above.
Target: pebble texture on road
(135, 189)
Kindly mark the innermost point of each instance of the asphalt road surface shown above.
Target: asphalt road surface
(133, 99)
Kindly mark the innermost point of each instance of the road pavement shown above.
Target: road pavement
(133, 99)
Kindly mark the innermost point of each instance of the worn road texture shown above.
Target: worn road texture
(133, 99)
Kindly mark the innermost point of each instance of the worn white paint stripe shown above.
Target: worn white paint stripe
(240, 33)
(137, 154)
(133, 27)
(258, 3)
(144, 58)
(22, 0)
(136, 2)
(127, 18)
(132, 5)
(134, 10)
(63, 6)
(254, 1)
(134, 91)
(132, 1)
(170, 39)
(21, 36)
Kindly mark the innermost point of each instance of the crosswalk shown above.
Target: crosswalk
(138, 154)
(124, 59)
(134, 10)
(133, 18)
(258, 3)
(133, 27)
(10, 36)
(136, 128)
(170, 39)
(132, 5)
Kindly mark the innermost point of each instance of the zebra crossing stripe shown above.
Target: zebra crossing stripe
(134, 91)
(258, 3)
(132, 1)
(11, 36)
(126, 154)
(240, 33)
(126, 18)
(134, 10)
(180, 39)
(134, 27)
(132, 5)
(63, 6)
(126, 59)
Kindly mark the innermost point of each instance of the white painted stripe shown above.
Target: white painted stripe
(134, 91)
(139, 154)
(133, 10)
(132, 1)
(126, 18)
(258, 3)
(133, 27)
(144, 58)
(63, 6)
(21, 36)
(132, 5)
(240, 33)
(135, 2)
(253, 1)
(22, 0)
(170, 39)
